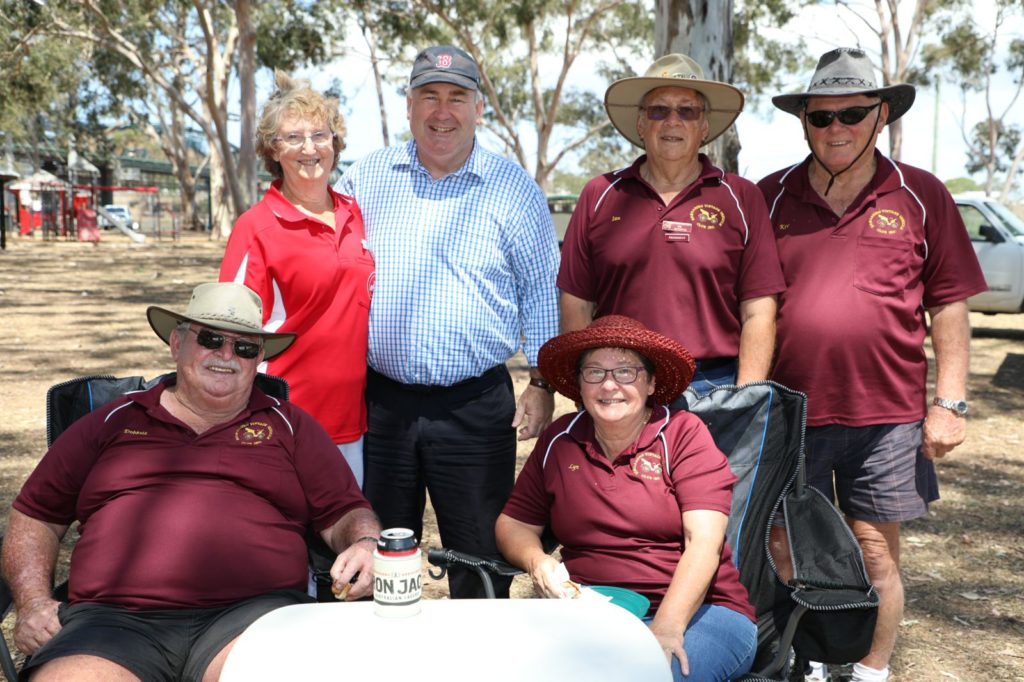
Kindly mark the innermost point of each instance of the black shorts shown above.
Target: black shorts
(159, 644)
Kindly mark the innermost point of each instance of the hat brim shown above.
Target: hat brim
(622, 102)
(673, 364)
(164, 321)
(443, 77)
(900, 98)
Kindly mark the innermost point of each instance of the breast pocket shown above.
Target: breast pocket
(882, 266)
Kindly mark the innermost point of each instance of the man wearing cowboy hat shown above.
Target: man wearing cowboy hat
(192, 499)
(868, 245)
(674, 241)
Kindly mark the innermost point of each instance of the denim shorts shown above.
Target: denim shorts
(877, 472)
(158, 644)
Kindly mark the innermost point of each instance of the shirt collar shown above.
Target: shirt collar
(285, 210)
(583, 432)
(150, 398)
(408, 160)
(885, 179)
(708, 171)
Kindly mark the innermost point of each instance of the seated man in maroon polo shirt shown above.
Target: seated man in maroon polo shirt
(192, 499)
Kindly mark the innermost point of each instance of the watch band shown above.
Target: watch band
(957, 407)
(542, 384)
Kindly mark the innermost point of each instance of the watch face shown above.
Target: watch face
(961, 406)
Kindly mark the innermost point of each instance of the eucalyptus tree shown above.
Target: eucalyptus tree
(540, 62)
(975, 54)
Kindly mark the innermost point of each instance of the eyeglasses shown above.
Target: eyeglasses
(320, 138)
(849, 116)
(659, 112)
(213, 341)
(621, 375)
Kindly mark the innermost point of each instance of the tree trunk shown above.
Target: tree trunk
(222, 216)
(378, 79)
(247, 85)
(702, 29)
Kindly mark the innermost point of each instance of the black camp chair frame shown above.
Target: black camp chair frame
(760, 427)
(70, 400)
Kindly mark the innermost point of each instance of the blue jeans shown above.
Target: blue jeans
(720, 645)
(705, 381)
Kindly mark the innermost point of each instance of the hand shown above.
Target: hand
(36, 623)
(670, 637)
(943, 431)
(357, 558)
(542, 572)
(537, 406)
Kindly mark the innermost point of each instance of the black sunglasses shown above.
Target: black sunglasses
(213, 341)
(849, 116)
(659, 112)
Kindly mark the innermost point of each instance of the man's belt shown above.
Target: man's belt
(711, 364)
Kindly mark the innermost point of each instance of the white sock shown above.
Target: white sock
(819, 671)
(862, 673)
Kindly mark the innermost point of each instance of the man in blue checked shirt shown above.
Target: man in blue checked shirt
(466, 264)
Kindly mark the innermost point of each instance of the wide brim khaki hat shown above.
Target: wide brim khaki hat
(623, 97)
(848, 71)
(222, 305)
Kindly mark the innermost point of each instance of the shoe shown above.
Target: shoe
(818, 672)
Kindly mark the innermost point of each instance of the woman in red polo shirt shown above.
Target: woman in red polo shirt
(638, 496)
(302, 248)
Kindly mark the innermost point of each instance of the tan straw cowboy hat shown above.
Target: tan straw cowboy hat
(673, 364)
(222, 305)
(623, 97)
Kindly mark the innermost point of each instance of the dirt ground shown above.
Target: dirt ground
(71, 309)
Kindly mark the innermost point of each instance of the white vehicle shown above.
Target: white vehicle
(110, 211)
(997, 235)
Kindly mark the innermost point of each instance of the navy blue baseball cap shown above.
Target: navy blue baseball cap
(445, 64)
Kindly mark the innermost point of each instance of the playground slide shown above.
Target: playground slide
(116, 221)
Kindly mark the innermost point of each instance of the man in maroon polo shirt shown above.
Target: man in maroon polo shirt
(674, 241)
(867, 246)
(192, 499)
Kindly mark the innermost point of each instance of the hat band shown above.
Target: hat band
(843, 80)
(219, 317)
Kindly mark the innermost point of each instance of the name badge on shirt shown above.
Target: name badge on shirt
(676, 231)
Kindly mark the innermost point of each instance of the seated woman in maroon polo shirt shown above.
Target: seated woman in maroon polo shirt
(638, 496)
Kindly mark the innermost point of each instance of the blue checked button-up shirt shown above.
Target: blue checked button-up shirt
(466, 264)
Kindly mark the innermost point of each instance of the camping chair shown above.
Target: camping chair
(827, 611)
(68, 401)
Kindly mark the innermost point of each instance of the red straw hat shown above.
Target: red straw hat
(673, 364)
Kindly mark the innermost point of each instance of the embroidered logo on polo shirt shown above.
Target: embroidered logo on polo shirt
(783, 227)
(254, 433)
(647, 465)
(887, 221)
(707, 216)
(135, 432)
(574, 467)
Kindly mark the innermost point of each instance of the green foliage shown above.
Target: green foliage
(292, 34)
(959, 185)
(761, 64)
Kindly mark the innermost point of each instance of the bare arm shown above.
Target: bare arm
(757, 338)
(520, 544)
(951, 338)
(704, 531)
(575, 312)
(350, 537)
(29, 560)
